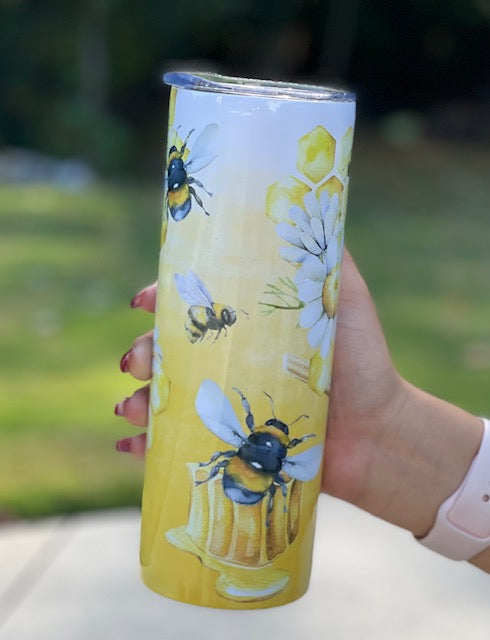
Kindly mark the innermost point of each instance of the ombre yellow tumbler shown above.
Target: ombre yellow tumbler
(252, 239)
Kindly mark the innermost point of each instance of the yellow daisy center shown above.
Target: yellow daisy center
(330, 292)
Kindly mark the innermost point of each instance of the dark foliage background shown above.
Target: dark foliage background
(83, 77)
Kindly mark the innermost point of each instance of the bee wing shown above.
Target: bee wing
(305, 465)
(204, 150)
(192, 290)
(215, 410)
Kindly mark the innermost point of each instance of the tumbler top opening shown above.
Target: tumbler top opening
(216, 83)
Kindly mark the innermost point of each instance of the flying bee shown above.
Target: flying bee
(203, 315)
(254, 468)
(180, 191)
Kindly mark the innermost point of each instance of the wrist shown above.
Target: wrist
(424, 451)
(482, 560)
(462, 526)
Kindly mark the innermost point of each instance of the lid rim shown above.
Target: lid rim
(216, 83)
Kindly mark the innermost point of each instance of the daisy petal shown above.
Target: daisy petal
(310, 244)
(289, 233)
(311, 314)
(299, 217)
(317, 228)
(332, 253)
(315, 335)
(293, 254)
(311, 204)
(157, 350)
(334, 203)
(314, 269)
(324, 202)
(329, 223)
(330, 215)
(300, 275)
(154, 397)
(327, 339)
(309, 290)
(156, 368)
(338, 229)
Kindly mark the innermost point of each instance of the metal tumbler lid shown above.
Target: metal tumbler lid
(216, 83)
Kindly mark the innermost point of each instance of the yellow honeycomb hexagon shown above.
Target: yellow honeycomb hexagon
(332, 185)
(316, 154)
(320, 374)
(345, 150)
(163, 385)
(281, 196)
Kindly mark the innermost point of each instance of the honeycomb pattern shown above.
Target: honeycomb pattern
(345, 150)
(332, 185)
(320, 373)
(163, 385)
(316, 154)
(281, 196)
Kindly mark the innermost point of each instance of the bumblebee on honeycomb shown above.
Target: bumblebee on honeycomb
(254, 468)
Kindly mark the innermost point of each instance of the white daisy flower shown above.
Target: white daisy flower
(309, 230)
(318, 288)
(316, 241)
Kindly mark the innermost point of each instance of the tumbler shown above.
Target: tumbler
(252, 237)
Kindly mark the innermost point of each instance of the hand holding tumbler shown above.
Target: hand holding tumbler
(252, 239)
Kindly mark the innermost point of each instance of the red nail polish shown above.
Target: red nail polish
(119, 408)
(124, 445)
(136, 301)
(124, 364)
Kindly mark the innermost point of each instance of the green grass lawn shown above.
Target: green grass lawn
(70, 263)
(418, 226)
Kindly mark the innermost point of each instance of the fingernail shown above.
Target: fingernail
(124, 445)
(120, 406)
(136, 301)
(124, 364)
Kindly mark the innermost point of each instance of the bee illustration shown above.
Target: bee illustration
(254, 468)
(203, 315)
(179, 178)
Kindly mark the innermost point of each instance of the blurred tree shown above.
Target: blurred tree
(93, 51)
(83, 77)
(338, 43)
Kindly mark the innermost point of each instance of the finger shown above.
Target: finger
(135, 408)
(136, 445)
(146, 298)
(353, 290)
(137, 361)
